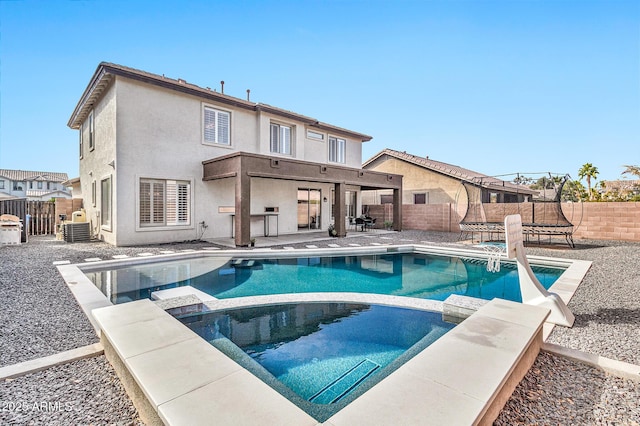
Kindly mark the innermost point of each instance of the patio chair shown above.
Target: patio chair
(370, 222)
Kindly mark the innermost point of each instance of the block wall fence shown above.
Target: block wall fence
(597, 221)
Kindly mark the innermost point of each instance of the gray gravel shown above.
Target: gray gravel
(40, 317)
(85, 392)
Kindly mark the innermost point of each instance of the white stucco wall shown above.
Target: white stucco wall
(157, 133)
(94, 165)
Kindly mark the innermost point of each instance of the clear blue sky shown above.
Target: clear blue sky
(493, 86)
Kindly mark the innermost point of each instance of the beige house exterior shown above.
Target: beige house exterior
(163, 160)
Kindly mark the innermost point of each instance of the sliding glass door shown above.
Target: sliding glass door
(308, 209)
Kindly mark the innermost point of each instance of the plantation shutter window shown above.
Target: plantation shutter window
(337, 148)
(145, 203)
(285, 140)
(164, 202)
(274, 137)
(280, 139)
(157, 203)
(216, 126)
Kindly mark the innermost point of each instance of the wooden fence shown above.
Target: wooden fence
(40, 217)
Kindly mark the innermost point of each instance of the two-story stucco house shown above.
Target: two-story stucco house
(164, 160)
(34, 186)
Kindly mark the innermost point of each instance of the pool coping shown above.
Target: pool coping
(440, 385)
(89, 297)
(478, 330)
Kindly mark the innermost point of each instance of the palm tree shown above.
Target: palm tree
(632, 170)
(588, 171)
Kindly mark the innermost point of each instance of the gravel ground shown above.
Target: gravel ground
(40, 317)
(79, 393)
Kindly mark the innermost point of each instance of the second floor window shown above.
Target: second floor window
(91, 132)
(81, 140)
(216, 126)
(337, 149)
(280, 139)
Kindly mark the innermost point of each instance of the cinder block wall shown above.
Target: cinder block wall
(67, 206)
(598, 221)
(604, 221)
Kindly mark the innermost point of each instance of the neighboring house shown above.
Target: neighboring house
(426, 181)
(35, 186)
(164, 160)
(76, 189)
(628, 188)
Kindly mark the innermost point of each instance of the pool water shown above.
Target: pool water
(403, 274)
(320, 355)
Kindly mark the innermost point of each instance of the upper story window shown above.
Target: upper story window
(1, 184)
(216, 126)
(312, 134)
(39, 184)
(280, 139)
(91, 132)
(17, 186)
(81, 140)
(337, 149)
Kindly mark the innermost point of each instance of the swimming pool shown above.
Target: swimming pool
(411, 274)
(320, 356)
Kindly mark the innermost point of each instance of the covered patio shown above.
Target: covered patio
(243, 167)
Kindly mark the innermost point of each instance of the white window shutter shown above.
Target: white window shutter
(285, 140)
(209, 125)
(145, 202)
(223, 128)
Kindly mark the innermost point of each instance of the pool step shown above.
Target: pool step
(341, 386)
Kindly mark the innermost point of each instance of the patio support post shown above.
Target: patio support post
(243, 209)
(397, 209)
(340, 210)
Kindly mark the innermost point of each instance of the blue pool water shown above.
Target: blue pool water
(320, 355)
(404, 274)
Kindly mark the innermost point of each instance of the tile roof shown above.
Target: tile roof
(106, 71)
(27, 175)
(44, 192)
(451, 170)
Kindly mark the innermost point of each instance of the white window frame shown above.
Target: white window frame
(168, 203)
(81, 140)
(314, 135)
(282, 143)
(92, 126)
(337, 150)
(216, 126)
(93, 193)
(106, 203)
(1, 184)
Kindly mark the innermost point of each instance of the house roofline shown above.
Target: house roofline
(107, 71)
(455, 172)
